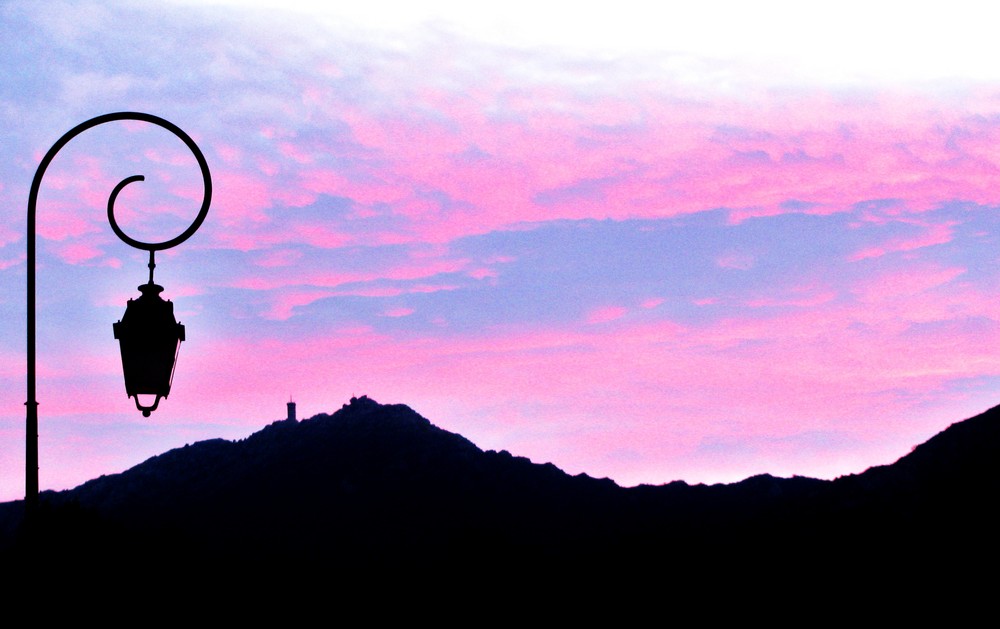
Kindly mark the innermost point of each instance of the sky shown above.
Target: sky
(644, 241)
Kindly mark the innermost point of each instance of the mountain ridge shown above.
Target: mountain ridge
(380, 485)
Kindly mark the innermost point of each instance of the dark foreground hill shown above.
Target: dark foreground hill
(378, 487)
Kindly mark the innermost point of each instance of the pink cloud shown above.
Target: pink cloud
(547, 153)
(669, 388)
(890, 287)
(390, 291)
(416, 269)
(228, 153)
(62, 221)
(808, 296)
(935, 235)
(818, 165)
(604, 315)
(286, 301)
(735, 260)
(293, 152)
(174, 156)
(78, 253)
(483, 273)
(8, 235)
(241, 198)
(398, 312)
(6, 264)
(278, 258)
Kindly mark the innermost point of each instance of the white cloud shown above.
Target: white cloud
(835, 42)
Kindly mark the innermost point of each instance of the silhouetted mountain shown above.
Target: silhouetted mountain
(378, 486)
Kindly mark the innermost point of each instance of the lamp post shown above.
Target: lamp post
(147, 331)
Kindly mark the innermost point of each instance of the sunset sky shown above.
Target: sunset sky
(689, 243)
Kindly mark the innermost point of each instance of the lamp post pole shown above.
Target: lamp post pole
(31, 410)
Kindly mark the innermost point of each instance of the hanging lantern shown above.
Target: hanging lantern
(148, 333)
(150, 340)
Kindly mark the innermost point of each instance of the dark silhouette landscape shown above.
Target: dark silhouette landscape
(378, 487)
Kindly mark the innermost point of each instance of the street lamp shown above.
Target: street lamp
(148, 333)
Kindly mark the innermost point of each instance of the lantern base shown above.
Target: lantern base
(146, 410)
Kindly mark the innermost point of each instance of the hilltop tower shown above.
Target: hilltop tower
(291, 410)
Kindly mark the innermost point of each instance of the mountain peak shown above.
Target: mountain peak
(357, 404)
